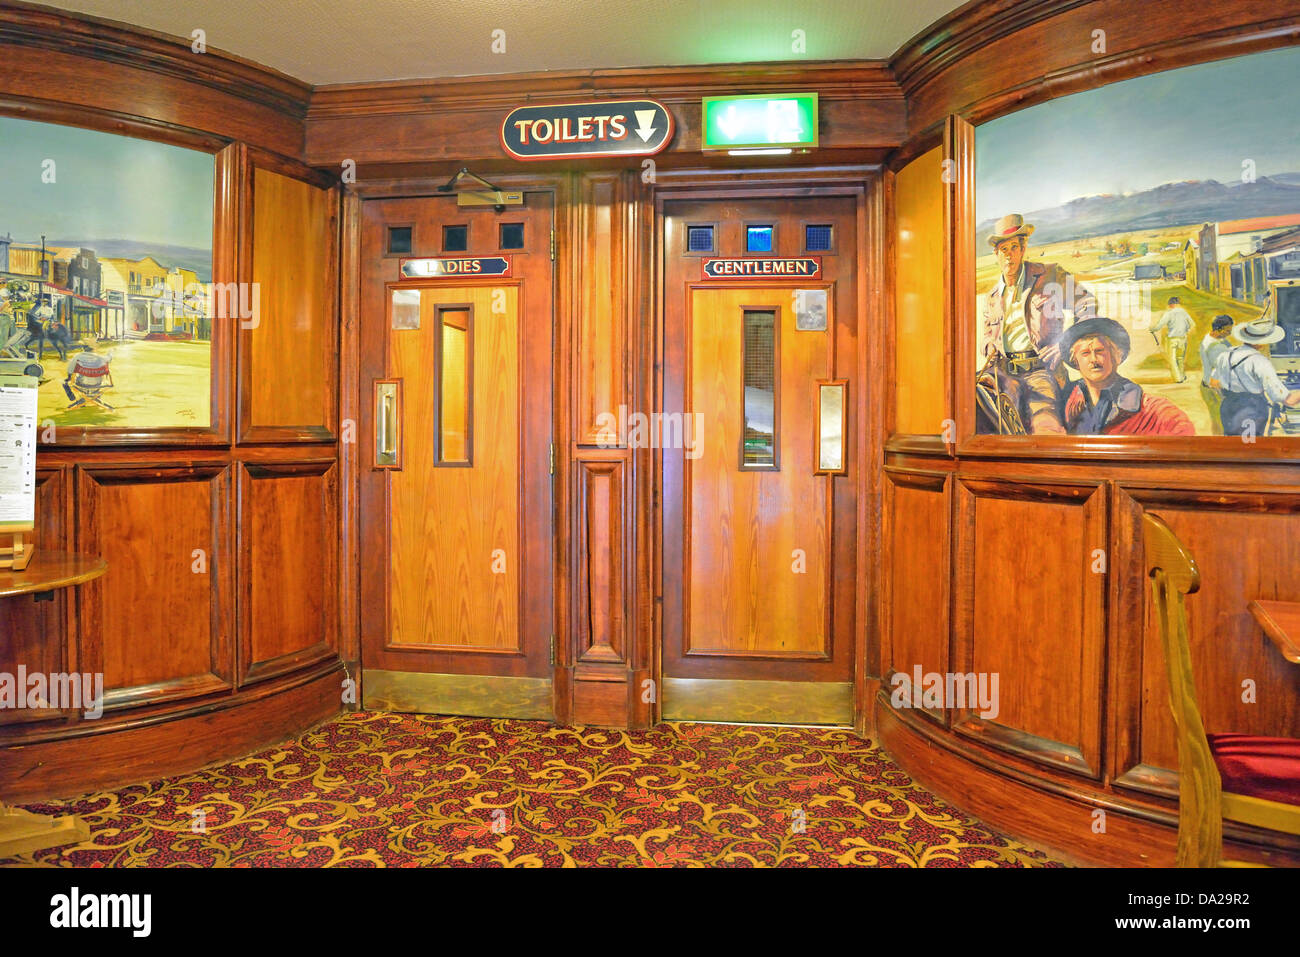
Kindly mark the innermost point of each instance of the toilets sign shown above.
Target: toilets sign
(567, 130)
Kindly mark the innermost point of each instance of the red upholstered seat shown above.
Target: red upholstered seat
(1257, 766)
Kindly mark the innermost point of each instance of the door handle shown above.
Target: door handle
(388, 423)
(832, 418)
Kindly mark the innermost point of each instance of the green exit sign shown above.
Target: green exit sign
(757, 122)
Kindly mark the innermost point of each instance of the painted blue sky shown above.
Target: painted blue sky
(107, 187)
(1198, 122)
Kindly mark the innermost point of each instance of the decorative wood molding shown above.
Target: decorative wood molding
(834, 80)
(1088, 684)
(92, 537)
(109, 41)
(602, 579)
(970, 27)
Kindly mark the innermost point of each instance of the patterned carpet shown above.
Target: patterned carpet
(382, 789)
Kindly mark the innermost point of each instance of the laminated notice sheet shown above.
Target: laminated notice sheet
(17, 453)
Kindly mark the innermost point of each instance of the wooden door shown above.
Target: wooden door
(759, 548)
(456, 499)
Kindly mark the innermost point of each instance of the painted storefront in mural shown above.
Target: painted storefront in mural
(1138, 257)
(105, 262)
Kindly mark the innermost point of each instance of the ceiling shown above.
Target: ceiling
(353, 41)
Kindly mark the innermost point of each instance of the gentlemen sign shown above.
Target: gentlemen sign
(810, 268)
(455, 268)
(609, 128)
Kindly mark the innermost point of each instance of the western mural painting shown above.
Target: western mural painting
(1138, 257)
(105, 263)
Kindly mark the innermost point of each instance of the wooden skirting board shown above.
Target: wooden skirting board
(1058, 822)
(79, 765)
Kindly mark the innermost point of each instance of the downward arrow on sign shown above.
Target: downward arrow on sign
(644, 118)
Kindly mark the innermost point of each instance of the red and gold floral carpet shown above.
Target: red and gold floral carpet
(382, 789)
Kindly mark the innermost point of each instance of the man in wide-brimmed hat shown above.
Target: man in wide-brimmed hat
(1248, 380)
(1024, 316)
(1104, 402)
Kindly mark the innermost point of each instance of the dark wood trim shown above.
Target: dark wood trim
(834, 80)
(349, 448)
(110, 754)
(949, 40)
(959, 277)
(108, 121)
(923, 479)
(1054, 813)
(113, 42)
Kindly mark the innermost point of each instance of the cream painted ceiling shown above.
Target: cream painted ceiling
(346, 41)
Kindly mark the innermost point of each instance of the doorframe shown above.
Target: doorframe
(352, 455)
(866, 184)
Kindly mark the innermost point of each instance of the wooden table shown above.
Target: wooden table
(1281, 622)
(22, 832)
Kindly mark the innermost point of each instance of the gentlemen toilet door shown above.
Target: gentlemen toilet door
(759, 507)
(457, 604)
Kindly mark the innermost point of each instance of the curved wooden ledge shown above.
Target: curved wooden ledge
(50, 570)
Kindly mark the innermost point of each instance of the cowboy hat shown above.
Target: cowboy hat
(1258, 332)
(1009, 227)
(1089, 328)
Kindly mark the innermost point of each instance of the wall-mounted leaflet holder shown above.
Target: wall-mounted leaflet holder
(388, 423)
(18, 399)
(832, 414)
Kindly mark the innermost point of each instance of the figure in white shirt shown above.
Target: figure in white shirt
(1250, 384)
(1177, 324)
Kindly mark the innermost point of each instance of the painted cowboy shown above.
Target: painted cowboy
(1024, 316)
(1104, 402)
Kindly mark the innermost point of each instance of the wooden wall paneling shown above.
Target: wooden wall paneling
(350, 450)
(959, 274)
(639, 549)
(1246, 545)
(34, 634)
(147, 748)
(601, 354)
(1042, 633)
(159, 623)
(287, 531)
(916, 577)
(875, 255)
(921, 357)
(988, 59)
(600, 539)
(129, 72)
(566, 297)
(288, 353)
(459, 118)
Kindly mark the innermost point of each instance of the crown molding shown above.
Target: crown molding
(965, 30)
(44, 28)
(866, 79)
